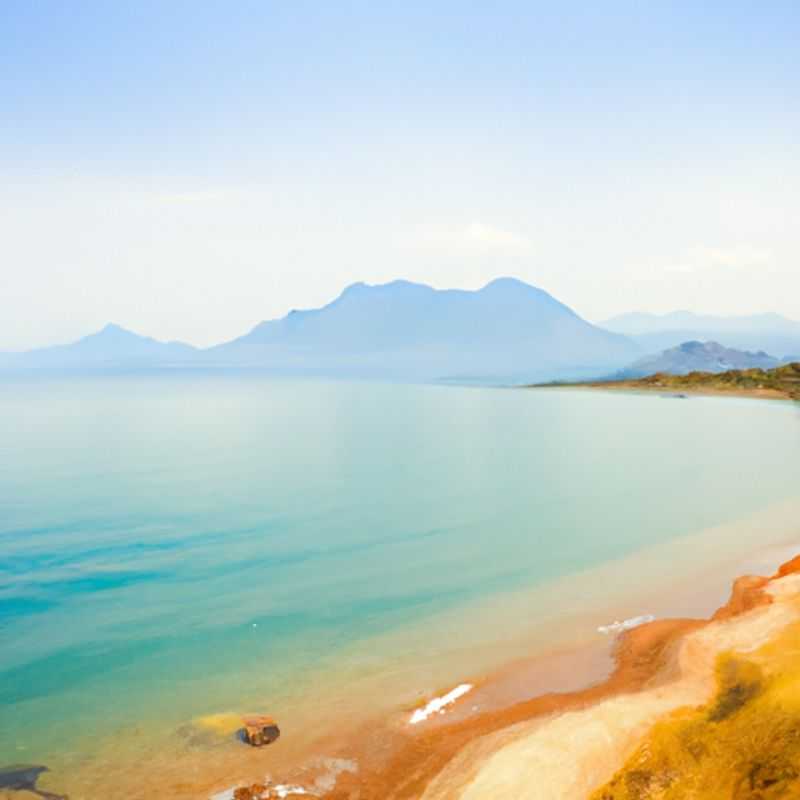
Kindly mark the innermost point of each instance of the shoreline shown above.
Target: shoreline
(477, 755)
(669, 392)
(395, 761)
(775, 383)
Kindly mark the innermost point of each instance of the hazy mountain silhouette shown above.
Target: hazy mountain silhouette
(507, 330)
(654, 332)
(112, 346)
(701, 357)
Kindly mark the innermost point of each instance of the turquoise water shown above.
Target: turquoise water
(175, 546)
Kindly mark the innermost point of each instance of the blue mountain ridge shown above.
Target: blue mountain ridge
(506, 331)
(770, 332)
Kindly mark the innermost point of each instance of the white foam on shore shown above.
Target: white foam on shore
(626, 624)
(438, 704)
(285, 790)
(279, 791)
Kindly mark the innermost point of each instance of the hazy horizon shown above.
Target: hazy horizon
(600, 323)
(189, 172)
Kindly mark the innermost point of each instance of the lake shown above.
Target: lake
(182, 545)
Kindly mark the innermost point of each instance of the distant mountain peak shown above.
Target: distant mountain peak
(401, 284)
(508, 282)
(767, 331)
(352, 288)
(697, 356)
(398, 284)
(112, 329)
(111, 346)
(641, 322)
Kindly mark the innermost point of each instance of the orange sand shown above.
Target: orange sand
(395, 762)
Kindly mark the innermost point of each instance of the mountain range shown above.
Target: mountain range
(506, 332)
(656, 332)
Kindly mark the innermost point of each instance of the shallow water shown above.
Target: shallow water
(177, 546)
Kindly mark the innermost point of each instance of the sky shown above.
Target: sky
(188, 169)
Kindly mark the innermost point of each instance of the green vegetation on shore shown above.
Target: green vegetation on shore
(781, 381)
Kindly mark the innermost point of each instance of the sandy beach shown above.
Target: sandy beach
(567, 745)
(595, 707)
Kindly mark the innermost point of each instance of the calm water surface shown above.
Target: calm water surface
(176, 546)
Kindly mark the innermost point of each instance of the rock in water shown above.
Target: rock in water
(261, 730)
(23, 778)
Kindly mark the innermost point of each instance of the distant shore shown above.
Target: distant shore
(780, 383)
(638, 387)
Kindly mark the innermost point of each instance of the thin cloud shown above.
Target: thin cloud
(702, 259)
(475, 237)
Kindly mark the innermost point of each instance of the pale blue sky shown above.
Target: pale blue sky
(187, 169)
